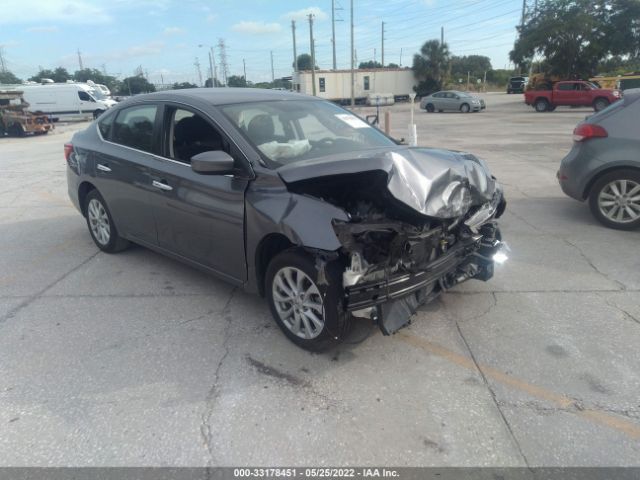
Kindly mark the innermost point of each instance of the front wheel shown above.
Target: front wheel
(308, 311)
(16, 130)
(600, 104)
(101, 226)
(615, 200)
(464, 108)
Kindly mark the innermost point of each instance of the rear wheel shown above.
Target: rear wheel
(308, 311)
(101, 226)
(430, 108)
(464, 108)
(615, 200)
(542, 105)
(600, 104)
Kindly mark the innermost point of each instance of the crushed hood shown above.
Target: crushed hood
(425, 179)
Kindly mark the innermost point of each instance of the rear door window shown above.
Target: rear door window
(134, 127)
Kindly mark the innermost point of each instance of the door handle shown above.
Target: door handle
(162, 186)
(103, 168)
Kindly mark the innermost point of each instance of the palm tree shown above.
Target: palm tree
(432, 62)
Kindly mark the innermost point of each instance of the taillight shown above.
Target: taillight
(68, 150)
(586, 131)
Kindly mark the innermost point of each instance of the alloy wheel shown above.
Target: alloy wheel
(99, 221)
(298, 302)
(619, 201)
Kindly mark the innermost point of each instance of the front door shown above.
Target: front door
(199, 217)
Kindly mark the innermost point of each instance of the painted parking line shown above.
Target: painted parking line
(616, 423)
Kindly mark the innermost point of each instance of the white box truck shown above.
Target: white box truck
(65, 101)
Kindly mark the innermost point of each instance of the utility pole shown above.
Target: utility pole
(80, 60)
(524, 7)
(3, 65)
(295, 55)
(212, 52)
(333, 31)
(382, 52)
(244, 70)
(375, 55)
(223, 61)
(104, 69)
(273, 77)
(353, 79)
(400, 56)
(441, 35)
(211, 68)
(313, 54)
(197, 65)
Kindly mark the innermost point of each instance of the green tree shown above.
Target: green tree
(431, 66)
(8, 77)
(183, 85)
(304, 62)
(59, 75)
(96, 76)
(136, 84)
(574, 36)
(369, 64)
(236, 81)
(476, 65)
(207, 83)
(392, 65)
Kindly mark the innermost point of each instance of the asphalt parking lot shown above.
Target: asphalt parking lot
(134, 359)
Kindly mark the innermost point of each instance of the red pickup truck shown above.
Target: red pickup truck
(573, 93)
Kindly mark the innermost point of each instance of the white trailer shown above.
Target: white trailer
(335, 85)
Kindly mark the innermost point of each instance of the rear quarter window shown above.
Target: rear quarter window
(104, 125)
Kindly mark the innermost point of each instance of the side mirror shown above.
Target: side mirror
(215, 162)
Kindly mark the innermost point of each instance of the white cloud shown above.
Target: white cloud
(256, 28)
(172, 31)
(42, 29)
(64, 11)
(211, 18)
(304, 14)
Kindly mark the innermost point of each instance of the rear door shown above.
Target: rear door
(122, 168)
(199, 217)
(565, 93)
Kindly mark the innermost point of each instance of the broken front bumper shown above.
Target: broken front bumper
(391, 301)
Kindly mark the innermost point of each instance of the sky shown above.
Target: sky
(167, 37)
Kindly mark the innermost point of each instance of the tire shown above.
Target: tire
(465, 108)
(509, 92)
(551, 108)
(100, 223)
(430, 108)
(287, 272)
(16, 130)
(603, 201)
(541, 105)
(600, 104)
(97, 113)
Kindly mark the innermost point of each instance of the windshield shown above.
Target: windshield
(290, 131)
(97, 94)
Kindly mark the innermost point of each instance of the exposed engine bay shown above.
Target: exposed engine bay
(411, 234)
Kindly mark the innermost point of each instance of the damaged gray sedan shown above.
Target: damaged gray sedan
(291, 197)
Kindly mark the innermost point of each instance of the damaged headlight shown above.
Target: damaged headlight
(456, 200)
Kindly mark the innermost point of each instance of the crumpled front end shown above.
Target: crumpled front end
(419, 222)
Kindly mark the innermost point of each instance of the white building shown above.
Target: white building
(335, 85)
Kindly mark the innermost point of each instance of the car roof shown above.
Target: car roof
(225, 96)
